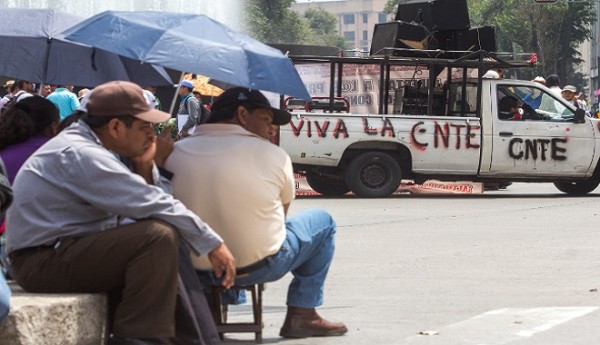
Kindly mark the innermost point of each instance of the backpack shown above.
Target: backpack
(12, 99)
(204, 113)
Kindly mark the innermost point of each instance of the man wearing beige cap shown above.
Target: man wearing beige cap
(569, 93)
(8, 84)
(82, 221)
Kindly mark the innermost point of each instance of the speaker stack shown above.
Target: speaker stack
(431, 25)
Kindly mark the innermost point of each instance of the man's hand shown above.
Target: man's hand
(142, 164)
(164, 146)
(223, 262)
(184, 133)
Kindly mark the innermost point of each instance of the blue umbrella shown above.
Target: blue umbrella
(192, 43)
(32, 48)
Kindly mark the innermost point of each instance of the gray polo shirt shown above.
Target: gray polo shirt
(73, 186)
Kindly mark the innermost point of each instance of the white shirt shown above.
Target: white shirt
(237, 182)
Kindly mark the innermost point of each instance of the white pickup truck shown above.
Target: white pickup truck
(474, 129)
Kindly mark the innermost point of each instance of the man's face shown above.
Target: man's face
(568, 95)
(259, 122)
(27, 86)
(136, 139)
(46, 90)
(183, 91)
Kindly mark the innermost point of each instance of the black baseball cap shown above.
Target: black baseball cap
(241, 95)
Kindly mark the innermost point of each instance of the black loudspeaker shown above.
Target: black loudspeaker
(400, 35)
(480, 38)
(436, 14)
(303, 49)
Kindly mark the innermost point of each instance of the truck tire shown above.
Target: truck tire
(326, 185)
(373, 175)
(577, 188)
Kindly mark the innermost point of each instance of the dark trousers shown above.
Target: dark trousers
(139, 260)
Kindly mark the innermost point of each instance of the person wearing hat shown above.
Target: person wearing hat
(569, 93)
(82, 221)
(191, 110)
(231, 175)
(7, 85)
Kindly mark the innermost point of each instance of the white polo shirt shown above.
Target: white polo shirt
(237, 182)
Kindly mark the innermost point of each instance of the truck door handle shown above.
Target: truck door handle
(505, 134)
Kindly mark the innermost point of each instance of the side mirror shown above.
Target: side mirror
(579, 116)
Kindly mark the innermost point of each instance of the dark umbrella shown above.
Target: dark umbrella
(33, 49)
(192, 43)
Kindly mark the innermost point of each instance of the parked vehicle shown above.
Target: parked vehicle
(444, 121)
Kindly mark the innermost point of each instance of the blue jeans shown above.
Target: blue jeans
(4, 298)
(4, 261)
(306, 252)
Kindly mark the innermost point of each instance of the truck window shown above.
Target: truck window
(532, 104)
(455, 100)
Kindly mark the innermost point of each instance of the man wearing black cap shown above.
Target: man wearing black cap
(84, 222)
(229, 173)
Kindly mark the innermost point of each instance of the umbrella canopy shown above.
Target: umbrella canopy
(192, 43)
(32, 48)
(202, 85)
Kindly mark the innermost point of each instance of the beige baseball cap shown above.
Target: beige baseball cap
(121, 98)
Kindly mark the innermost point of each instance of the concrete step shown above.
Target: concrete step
(54, 319)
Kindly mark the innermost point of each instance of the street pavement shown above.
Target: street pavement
(520, 266)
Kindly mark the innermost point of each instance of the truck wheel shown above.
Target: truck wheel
(373, 175)
(326, 185)
(577, 188)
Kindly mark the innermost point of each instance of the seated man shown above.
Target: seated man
(81, 221)
(229, 173)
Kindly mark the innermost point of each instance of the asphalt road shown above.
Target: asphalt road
(520, 266)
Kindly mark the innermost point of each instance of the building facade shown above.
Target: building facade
(356, 18)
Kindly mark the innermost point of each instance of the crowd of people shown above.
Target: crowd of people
(92, 188)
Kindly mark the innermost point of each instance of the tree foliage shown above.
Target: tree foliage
(553, 31)
(324, 26)
(273, 21)
(391, 6)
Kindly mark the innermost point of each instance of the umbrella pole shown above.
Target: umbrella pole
(175, 95)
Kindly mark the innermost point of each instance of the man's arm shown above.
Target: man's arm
(285, 208)
(74, 103)
(119, 191)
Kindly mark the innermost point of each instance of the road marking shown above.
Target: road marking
(501, 326)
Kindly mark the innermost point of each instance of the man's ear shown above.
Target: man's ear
(114, 127)
(241, 115)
